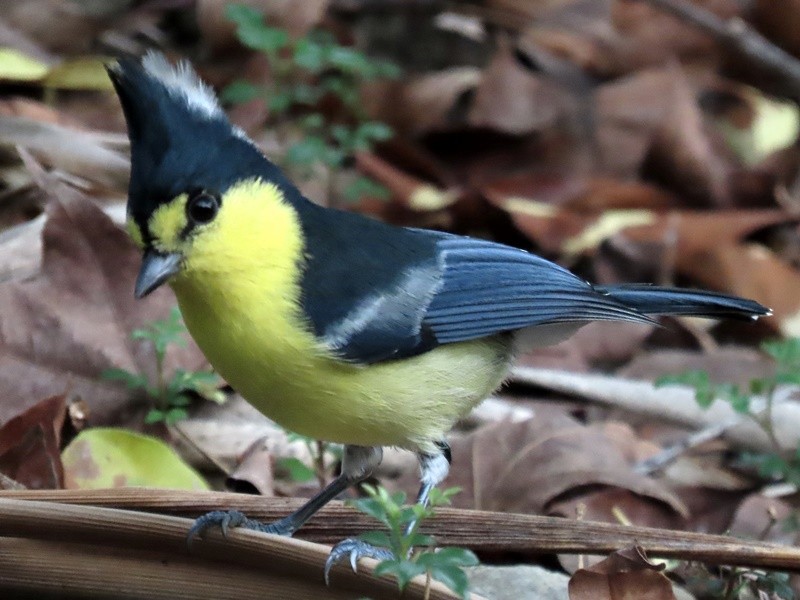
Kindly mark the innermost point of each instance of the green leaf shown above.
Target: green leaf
(376, 538)
(374, 131)
(239, 92)
(108, 457)
(362, 187)
(313, 121)
(131, 380)
(269, 40)
(349, 60)
(305, 94)
(453, 577)
(244, 15)
(307, 151)
(298, 471)
(310, 55)
(279, 102)
(403, 570)
(373, 508)
(456, 556)
(174, 415)
(154, 416)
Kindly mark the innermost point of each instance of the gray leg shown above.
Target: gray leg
(433, 470)
(357, 464)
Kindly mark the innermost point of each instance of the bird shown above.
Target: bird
(333, 324)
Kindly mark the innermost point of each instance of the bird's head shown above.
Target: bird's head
(186, 161)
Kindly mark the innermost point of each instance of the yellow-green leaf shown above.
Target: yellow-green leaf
(85, 73)
(18, 66)
(107, 457)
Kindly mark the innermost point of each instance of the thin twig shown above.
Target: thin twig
(669, 455)
(739, 36)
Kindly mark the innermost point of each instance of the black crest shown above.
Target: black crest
(181, 140)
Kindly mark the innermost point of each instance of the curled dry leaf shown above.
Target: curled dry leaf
(422, 104)
(625, 574)
(61, 329)
(510, 99)
(526, 466)
(253, 473)
(30, 445)
(411, 192)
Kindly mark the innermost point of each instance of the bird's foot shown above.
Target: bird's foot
(230, 519)
(353, 549)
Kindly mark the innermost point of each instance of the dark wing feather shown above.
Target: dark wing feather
(489, 288)
(416, 289)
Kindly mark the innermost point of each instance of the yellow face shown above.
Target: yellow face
(250, 227)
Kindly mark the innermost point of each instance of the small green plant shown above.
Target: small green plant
(324, 457)
(169, 395)
(776, 465)
(304, 71)
(414, 553)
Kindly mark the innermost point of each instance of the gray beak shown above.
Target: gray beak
(156, 269)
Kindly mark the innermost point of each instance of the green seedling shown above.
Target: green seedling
(304, 71)
(169, 395)
(415, 553)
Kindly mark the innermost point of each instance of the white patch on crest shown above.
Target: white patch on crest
(182, 80)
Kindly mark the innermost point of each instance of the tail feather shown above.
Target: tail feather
(655, 300)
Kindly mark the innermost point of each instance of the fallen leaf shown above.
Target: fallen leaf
(110, 458)
(63, 328)
(527, 466)
(510, 99)
(30, 445)
(422, 104)
(409, 191)
(253, 474)
(624, 575)
(761, 518)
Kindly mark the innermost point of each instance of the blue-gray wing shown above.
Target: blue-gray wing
(488, 288)
(464, 289)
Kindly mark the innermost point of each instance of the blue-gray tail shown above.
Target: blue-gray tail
(656, 300)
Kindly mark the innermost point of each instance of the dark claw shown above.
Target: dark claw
(231, 519)
(353, 549)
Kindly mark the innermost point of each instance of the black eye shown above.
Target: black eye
(202, 207)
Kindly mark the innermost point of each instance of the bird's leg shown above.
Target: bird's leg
(434, 468)
(358, 463)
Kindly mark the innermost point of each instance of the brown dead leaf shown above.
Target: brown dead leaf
(88, 154)
(762, 518)
(409, 191)
(728, 365)
(253, 474)
(61, 329)
(624, 575)
(30, 445)
(526, 466)
(750, 271)
(62, 26)
(422, 104)
(779, 20)
(510, 99)
(629, 112)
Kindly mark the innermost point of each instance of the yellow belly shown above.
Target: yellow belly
(282, 371)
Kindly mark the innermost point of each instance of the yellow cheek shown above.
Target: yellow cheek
(166, 224)
(135, 233)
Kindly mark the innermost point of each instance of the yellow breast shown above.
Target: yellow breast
(239, 294)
